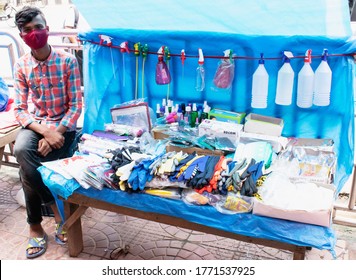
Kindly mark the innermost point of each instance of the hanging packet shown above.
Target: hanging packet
(224, 75)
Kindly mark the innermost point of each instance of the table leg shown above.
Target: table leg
(74, 231)
(1, 154)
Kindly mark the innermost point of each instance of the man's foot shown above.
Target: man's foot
(37, 243)
(36, 247)
(61, 234)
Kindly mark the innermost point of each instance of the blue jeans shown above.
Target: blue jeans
(36, 192)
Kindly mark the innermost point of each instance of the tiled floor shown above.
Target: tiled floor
(105, 231)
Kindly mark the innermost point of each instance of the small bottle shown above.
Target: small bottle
(260, 85)
(305, 87)
(285, 81)
(158, 111)
(187, 115)
(194, 115)
(322, 82)
(200, 77)
(205, 114)
(179, 114)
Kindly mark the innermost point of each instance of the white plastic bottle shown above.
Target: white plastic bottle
(285, 81)
(260, 85)
(305, 87)
(322, 82)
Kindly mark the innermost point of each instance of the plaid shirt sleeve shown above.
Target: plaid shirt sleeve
(74, 94)
(21, 96)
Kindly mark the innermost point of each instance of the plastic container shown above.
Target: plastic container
(260, 86)
(285, 81)
(322, 82)
(200, 77)
(194, 115)
(187, 116)
(205, 114)
(305, 87)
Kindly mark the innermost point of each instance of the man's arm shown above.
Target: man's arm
(74, 93)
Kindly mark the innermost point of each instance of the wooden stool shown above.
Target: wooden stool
(7, 139)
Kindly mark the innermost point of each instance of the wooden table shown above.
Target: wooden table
(76, 205)
(8, 137)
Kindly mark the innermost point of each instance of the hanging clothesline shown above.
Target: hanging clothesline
(235, 57)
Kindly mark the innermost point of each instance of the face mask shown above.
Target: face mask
(36, 39)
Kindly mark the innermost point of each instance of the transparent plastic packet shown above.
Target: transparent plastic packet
(191, 197)
(225, 72)
(234, 203)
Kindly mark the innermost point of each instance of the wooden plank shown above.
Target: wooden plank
(74, 233)
(78, 199)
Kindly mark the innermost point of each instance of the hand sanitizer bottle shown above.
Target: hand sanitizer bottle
(260, 85)
(285, 81)
(305, 86)
(322, 82)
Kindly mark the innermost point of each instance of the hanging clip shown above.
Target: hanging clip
(124, 47)
(228, 54)
(201, 56)
(137, 48)
(308, 56)
(182, 56)
(144, 50)
(105, 39)
(167, 54)
(160, 53)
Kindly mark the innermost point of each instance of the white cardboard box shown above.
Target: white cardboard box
(214, 128)
(319, 217)
(260, 124)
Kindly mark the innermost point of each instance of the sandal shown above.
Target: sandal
(60, 231)
(37, 243)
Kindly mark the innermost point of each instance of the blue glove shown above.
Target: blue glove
(198, 164)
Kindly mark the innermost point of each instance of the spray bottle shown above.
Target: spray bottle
(260, 85)
(322, 82)
(305, 87)
(200, 78)
(285, 81)
(124, 48)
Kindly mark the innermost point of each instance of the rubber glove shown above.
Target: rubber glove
(209, 172)
(196, 165)
(180, 175)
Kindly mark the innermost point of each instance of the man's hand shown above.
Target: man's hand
(44, 148)
(54, 139)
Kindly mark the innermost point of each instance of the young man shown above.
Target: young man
(49, 80)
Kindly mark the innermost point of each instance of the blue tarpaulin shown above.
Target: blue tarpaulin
(248, 28)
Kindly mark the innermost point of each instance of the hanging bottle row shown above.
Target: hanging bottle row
(313, 88)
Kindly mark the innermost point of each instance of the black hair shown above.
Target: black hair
(26, 15)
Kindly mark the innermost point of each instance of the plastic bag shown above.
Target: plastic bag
(235, 203)
(224, 75)
(4, 95)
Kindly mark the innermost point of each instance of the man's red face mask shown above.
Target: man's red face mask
(36, 38)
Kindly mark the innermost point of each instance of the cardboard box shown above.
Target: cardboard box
(320, 217)
(226, 116)
(263, 125)
(214, 128)
(199, 151)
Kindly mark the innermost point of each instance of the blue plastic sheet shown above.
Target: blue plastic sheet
(247, 27)
(322, 238)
